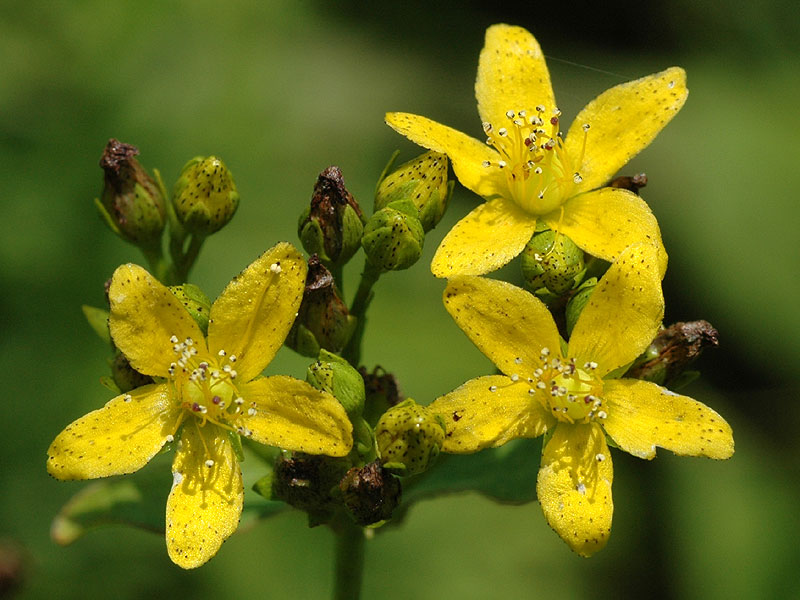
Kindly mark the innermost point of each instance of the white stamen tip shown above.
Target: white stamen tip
(275, 268)
(209, 463)
(170, 438)
(127, 398)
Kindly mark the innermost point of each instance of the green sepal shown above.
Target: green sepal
(394, 237)
(553, 261)
(205, 197)
(236, 443)
(684, 379)
(108, 382)
(263, 487)
(577, 303)
(98, 321)
(195, 302)
(409, 437)
(336, 376)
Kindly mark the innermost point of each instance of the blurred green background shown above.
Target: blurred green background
(282, 89)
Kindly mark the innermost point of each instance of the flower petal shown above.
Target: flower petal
(466, 153)
(643, 415)
(206, 499)
(623, 313)
(512, 75)
(506, 323)
(623, 121)
(485, 240)
(292, 415)
(477, 417)
(144, 316)
(253, 315)
(119, 438)
(606, 221)
(574, 486)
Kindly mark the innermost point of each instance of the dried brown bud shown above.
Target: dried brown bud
(370, 493)
(632, 184)
(306, 482)
(383, 392)
(673, 350)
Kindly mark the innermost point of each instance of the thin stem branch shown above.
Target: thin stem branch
(349, 559)
(364, 294)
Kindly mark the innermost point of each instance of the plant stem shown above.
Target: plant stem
(187, 260)
(349, 559)
(370, 275)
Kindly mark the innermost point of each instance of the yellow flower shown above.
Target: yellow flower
(571, 395)
(529, 174)
(208, 391)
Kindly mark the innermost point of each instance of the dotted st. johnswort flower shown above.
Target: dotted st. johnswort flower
(529, 173)
(572, 395)
(208, 391)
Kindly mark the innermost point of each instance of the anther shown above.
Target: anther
(502, 132)
(251, 411)
(586, 127)
(545, 351)
(486, 164)
(541, 385)
(600, 457)
(232, 358)
(510, 114)
(501, 163)
(216, 400)
(174, 339)
(221, 353)
(239, 401)
(577, 177)
(601, 414)
(492, 388)
(170, 438)
(275, 268)
(518, 361)
(515, 377)
(209, 463)
(127, 398)
(539, 108)
(487, 127)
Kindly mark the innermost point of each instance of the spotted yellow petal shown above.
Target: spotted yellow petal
(466, 153)
(206, 499)
(506, 323)
(291, 414)
(643, 415)
(622, 122)
(623, 313)
(512, 75)
(483, 241)
(606, 221)
(488, 412)
(119, 438)
(574, 486)
(145, 315)
(253, 315)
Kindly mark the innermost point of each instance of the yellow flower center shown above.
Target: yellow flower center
(205, 387)
(540, 173)
(570, 393)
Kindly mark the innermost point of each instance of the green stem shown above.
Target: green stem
(352, 353)
(158, 265)
(187, 260)
(349, 559)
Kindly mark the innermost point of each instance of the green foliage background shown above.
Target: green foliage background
(284, 88)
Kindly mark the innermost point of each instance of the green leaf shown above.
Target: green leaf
(506, 474)
(98, 321)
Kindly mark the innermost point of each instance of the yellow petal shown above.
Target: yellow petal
(506, 323)
(488, 412)
(144, 316)
(253, 315)
(119, 438)
(206, 499)
(623, 121)
(623, 313)
(606, 221)
(292, 415)
(643, 415)
(485, 240)
(466, 153)
(512, 75)
(574, 486)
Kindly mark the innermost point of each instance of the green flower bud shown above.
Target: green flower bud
(393, 237)
(131, 204)
(370, 493)
(332, 225)
(422, 181)
(551, 260)
(323, 320)
(334, 375)
(577, 302)
(205, 196)
(409, 437)
(195, 301)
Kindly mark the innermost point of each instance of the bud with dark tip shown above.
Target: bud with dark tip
(631, 183)
(195, 302)
(323, 320)
(383, 392)
(422, 181)
(131, 204)
(332, 225)
(370, 493)
(393, 237)
(551, 260)
(205, 197)
(409, 437)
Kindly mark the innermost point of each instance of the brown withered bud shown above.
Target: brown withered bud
(323, 320)
(332, 225)
(673, 350)
(370, 493)
(632, 184)
(125, 376)
(306, 482)
(131, 203)
(382, 392)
